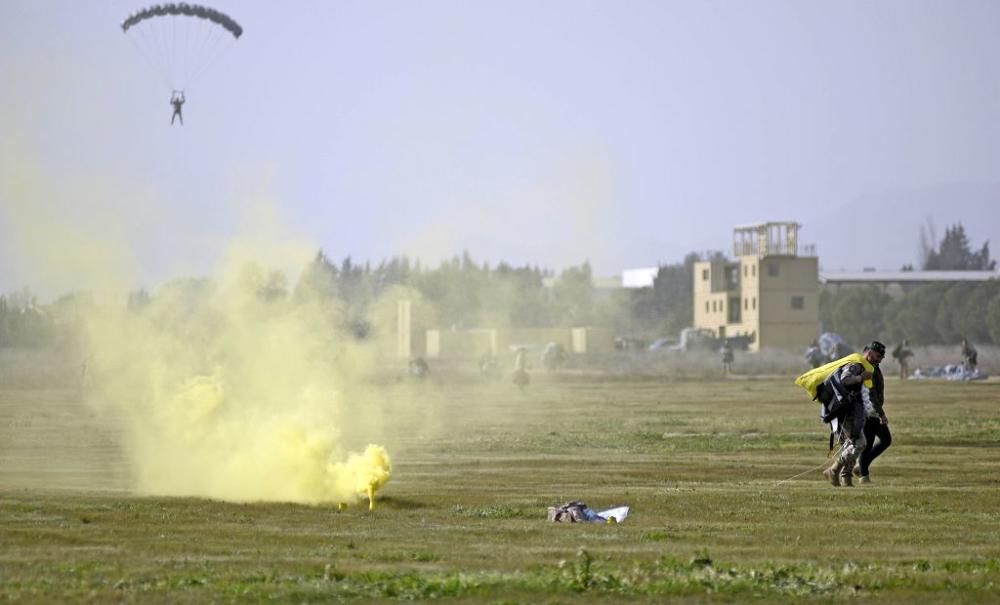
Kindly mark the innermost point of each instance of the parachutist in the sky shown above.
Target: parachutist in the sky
(177, 100)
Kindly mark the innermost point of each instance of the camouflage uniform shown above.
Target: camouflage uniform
(844, 399)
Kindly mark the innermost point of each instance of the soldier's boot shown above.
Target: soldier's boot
(857, 470)
(846, 470)
(833, 474)
(866, 479)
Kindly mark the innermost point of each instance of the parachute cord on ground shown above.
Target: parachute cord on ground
(812, 470)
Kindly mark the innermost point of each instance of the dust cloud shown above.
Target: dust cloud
(233, 387)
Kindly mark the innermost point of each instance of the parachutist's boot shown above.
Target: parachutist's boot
(846, 472)
(833, 474)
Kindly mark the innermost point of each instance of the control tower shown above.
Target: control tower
(769, 290)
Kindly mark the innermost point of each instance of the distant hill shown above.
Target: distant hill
(883, 230)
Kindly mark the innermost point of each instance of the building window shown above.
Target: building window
(754, 303)
(746, 304)
(753, 270)
(706, 306)
(745, 270)
(734, 311)
(798, 302)
(704, 275)
(772, 270)
(713, 306)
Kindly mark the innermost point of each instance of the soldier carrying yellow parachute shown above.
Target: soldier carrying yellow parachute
(846, 389)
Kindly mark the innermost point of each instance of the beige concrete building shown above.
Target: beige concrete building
(769, 291)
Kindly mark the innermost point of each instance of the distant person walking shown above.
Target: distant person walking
(418, 368)
(902, 356)
(970, 357)
(727, 357)
(520, 376)
(177, 100)
(814, 355)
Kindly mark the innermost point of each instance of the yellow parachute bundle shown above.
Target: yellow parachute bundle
(811, 380)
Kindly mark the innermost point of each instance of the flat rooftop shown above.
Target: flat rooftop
(843, 277)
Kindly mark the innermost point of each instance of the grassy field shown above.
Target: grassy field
(701, 463)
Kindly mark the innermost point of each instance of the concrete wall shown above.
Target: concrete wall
(473, 344)
(509, 339)
(592, 340)
(460, 344)
(711, 298)
(788, 301)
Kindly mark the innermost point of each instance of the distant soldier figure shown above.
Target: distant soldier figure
(814, 355)
(553, 356)
(902, 356)
(970, 357)
(419, 368)
(520, 375)
(488, 367)
(727, 357)
(177, 100)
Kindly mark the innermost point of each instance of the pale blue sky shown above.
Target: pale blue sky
(624, 133)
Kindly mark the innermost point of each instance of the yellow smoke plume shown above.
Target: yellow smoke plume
(231, 387)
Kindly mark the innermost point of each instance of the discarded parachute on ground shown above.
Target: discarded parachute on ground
(952, 371)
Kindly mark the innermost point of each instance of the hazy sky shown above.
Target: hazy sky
(624, 133)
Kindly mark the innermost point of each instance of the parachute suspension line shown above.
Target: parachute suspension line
(156, 31)
(202, 37)
(220, 50)
(150, 50)
(167, 48)
(186, 57)
(209, 56)
(173, 47)
(814, 469)
(179, 56)
(144, 53)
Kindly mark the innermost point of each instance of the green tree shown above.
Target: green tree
(318, 280)
(971, 315)
(993, 318)
(857, 314)
(955, 254)
(914, 315)
(949, 311)
(667, 307)
(573, 296)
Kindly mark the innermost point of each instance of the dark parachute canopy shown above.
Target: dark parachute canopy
(180, 40)
(183, 8)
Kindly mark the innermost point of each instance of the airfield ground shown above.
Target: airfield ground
(475, 466)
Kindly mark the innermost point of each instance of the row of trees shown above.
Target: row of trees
(926, 315)
(464, 293)
(23, 323)
(941, 313)
(459, 293)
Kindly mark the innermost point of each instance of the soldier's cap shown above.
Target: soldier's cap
(877, 347)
